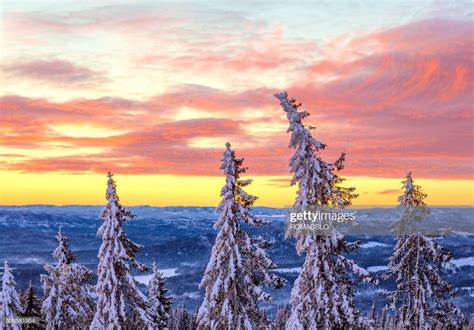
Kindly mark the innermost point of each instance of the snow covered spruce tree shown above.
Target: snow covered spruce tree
(160, 302)
(421, 299)
(372, 317)
(10, 305)
(322, 295)
(384, 318)
(31, 307)
(181, 320)
(239, 266)
(281, 318)
(120, 304)
(67, 303)
(265, 322)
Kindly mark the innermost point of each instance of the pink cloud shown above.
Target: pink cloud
(57, 72)
(236, 51)
(121, 18)
(212, 100)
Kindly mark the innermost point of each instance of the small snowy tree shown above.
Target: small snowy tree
(119, 301)
(384, 318)
(322, 295)
(10, 305)
(421, 298)
(194, 315)
(160, 302)
(265, 323)
(372, 317)
(390, 323)
(31, 307)
(281, 318)
(239, 266)
(414, 209)
(67, 303)
(181, 320)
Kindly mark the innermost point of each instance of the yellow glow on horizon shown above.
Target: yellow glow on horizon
(384, 192)
(169, 190)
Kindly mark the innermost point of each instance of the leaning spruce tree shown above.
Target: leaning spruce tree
(239, 266)
(160, 302)
(120, 304)
(67, 303)
(322, 295)
(421, 299)
(10, 305)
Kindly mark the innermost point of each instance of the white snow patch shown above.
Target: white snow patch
(375, 269)
(469, 261)
(190, 295)
(463, 233)
(371, 244)
(145, 279)
(287, 270)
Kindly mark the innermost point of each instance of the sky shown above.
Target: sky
(152, 90)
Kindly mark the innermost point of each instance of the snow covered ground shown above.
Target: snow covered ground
(180, 239)
(371, 244)
(295, 270)
(469, 261)
(376, 269)
(145, 279)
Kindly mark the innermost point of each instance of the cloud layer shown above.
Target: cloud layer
(394, 100)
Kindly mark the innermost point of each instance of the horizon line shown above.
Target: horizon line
(211, 206)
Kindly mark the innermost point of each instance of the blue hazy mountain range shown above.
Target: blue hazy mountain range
(180, 239)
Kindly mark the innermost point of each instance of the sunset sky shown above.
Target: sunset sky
(152, 91)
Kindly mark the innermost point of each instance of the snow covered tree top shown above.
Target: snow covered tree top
(158, 280)
(10, 305)
(295, 117)
(62, 253)
(235, 200)
(114, 216)
(30, 302)
(318, 183)
(412, 194)
(8, 280)
(113, 208)
(155, 270)
(111, 191)
(414, 209)
(160, 302)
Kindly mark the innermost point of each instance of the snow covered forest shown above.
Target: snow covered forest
(241, 277)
